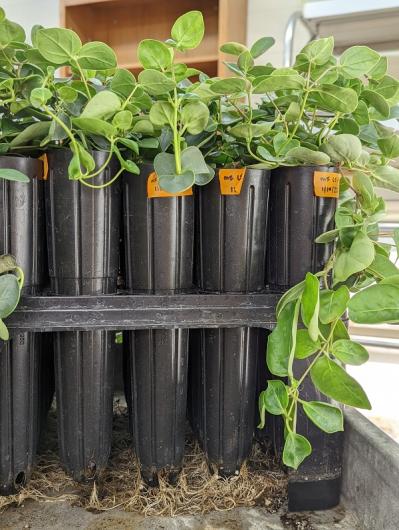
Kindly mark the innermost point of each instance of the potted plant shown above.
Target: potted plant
(232, 213)
(159, 233)
(310, 343)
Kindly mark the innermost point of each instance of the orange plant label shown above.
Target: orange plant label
(326, 184)
(154, 190)
(43, 158)
(231, 181)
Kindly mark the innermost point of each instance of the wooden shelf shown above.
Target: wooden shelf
(124, 23)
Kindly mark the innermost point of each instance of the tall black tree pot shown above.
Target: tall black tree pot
(230, 257)
(159, 234)
(83, 226)
(26, 376)
(297, 217)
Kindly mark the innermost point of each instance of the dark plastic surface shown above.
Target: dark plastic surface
(159, 238)
(296, 218)
(223, 394)
(82, 228)
(26, 379)
(156, 387)
(83, 240)
(231, 235)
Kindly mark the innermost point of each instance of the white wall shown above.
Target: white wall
(268, 18)
(31, 12)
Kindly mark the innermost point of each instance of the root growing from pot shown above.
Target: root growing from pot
(197, 490)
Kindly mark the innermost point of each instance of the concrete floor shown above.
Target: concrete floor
(62, 516)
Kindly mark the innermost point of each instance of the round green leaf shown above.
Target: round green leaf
(377, 304)
(233, 48)
(228, 86)
(307, 157)
(279, 79)
(4, 335)
(280, 342)
(94, 126)
(333, 304)
(343, 148)
(195, 116)
(350, 352)
(10, 32)
(154, 54)
(188, 30)
(103, 105)
(275, 397)
(296, 449)
(155, 83)
(305, 346)
(327, 417)
(357, 258)
(357, 61)
(261, 46)
(335, 98)
(319, 51)
(162, 113)
(96, 56)
(176, 183)
(334, 382)
(122, 120)
(123, 83)
(58, 45)
(39, 97)
(9, 294)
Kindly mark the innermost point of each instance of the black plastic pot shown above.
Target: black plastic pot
(231, 235)
(296, 218)
(230, 257)
(26, 365)
(83, 240)
(156, 377)
(223, 393)
(159, 235)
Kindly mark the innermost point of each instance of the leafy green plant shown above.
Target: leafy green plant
(11, 283)
(177, 110)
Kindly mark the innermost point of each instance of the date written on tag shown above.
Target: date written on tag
(231, 181)
(326, 184)
(154, 191)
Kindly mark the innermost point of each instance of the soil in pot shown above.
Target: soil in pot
(26, 386)
(83, 227)
(159, 234)
(231, 230)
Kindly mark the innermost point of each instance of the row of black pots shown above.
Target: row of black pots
(232, 247)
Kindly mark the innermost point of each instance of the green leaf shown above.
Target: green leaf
(94, 126)
(280, 342)
(387, 87)
(305, 346)
(154, 54)
(347, 126)
(333, 304)
(245, 61)
(377, 304)
(336, 98)
(188, 30)
(35, 131)
(176, 183)
(9, 294)
(233, 48)
(123, 83)
(327, 417)
(310, 305)
(357, 258)
(358, 61)
(10, 32)
(307, 157)
(262, 411)
(230, 85)
(122, 120)
(7, 263)
(96, 56)
(382, 267)
(39, 97)
(275, 397)
(290, 296)
(58, 45)
(334, 382)
(103, 105)
(13, 174)
(4, 335)
(293, 112)
(193, 160)
(319, 51)
(296, 449)
(389, 146)
(380, 69)
(385, 177)
(162, 113)
(252, 130)
(280, 79)
(195, 116)
(350, 352)
(361, 114)
(155, 83)
(380, 104)
(327, 237)
(261, 46)
(67, 94)
(343, 148)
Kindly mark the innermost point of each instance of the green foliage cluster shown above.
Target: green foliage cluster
(322, 111)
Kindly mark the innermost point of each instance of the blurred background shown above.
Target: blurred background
(123, 23)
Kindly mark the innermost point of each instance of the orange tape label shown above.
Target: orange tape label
(43, 158)
(326, 184)
(231, 181)
(154, 191)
